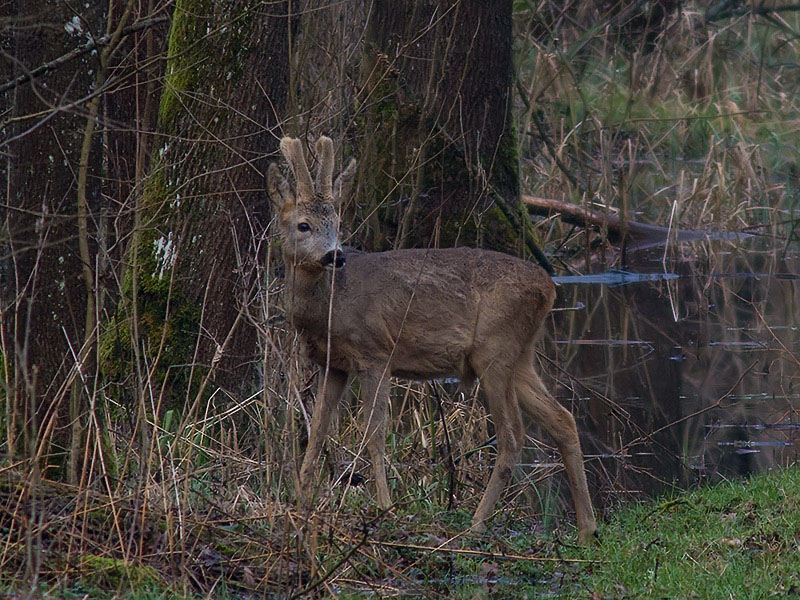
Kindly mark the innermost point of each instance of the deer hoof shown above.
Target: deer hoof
(589, 538)
(478, 527)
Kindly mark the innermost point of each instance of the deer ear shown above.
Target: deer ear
(279, 191)
(344, 182)
(324, 149)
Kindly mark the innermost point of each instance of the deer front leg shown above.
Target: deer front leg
(375, 396)
(330, 392)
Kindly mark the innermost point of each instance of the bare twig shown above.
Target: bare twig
(108, 39)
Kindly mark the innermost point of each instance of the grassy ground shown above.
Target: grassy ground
(735, 539)
(738, 539)
(731, 540)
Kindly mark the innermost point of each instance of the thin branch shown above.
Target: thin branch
(80, 51)
(733, 8)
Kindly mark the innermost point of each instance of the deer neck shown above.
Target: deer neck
(309, 295)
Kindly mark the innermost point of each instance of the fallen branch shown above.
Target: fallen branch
(482, 553)
(618, 230)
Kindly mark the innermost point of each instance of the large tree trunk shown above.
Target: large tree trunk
(439, 156)
(184, 321)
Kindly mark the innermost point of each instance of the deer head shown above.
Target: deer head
(308, 215)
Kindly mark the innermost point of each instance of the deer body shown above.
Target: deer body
(416, 314)
(420, 314)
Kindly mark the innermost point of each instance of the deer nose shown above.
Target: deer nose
(333, 257)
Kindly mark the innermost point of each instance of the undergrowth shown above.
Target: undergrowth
(731, 539)
(702, 115)
(698, 126)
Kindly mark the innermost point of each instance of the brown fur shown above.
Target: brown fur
(416, 314)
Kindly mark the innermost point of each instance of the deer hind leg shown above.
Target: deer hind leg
(560, 425)
(375, 396)
(325, 409)
(507, 419)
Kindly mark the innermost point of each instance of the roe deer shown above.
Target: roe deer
(416, 314)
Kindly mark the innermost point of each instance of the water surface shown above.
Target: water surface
(682, 365)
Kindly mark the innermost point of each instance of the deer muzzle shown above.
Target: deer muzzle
(333, 258)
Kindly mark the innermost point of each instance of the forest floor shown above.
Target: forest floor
(699, 130)
(734, 539)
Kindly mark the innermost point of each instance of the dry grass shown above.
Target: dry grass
(698, 129)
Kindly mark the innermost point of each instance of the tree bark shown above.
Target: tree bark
(199, 221)
(439, 157)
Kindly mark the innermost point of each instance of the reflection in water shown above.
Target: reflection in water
(687, 372)
(614, 277)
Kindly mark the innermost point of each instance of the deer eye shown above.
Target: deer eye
(303, 227)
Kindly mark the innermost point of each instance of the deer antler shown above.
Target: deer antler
(293, 152)
(325, 166)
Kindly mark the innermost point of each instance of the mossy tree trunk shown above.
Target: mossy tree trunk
(439, 156)
(184, 321)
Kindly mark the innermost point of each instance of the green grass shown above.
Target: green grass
(730, 540)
